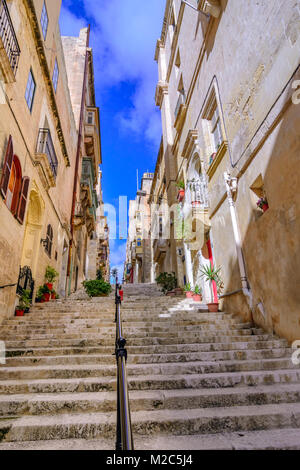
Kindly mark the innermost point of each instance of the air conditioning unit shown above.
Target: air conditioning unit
(210, 7)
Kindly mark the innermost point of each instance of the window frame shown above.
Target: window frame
(28, 90)
(49, 238)
(44, 15)
(55, 75)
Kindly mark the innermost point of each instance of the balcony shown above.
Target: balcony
(9, 47)
(46, 155)
(92, 135)
(87, 180)
(180, 112)
(210, 7)
(160, 247)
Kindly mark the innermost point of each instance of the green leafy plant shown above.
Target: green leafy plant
(24, 301)
(180, 185)
(97, 288)
(167, 281)
(187, 287)
(211, 274)
(197, 290)
(50, 274)
(99, 275)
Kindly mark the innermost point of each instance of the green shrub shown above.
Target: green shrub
(50, 274)
(97, 288)
(167, 281)
(24, 302)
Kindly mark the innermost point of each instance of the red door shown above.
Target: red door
(214, 285)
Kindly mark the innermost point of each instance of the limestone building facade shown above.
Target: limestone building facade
(228, 91)
(47, 139)
(138, 265)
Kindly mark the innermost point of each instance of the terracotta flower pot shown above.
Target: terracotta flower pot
(19, 313)
(181, 194)
(213, 307)
(49, 285)
(121, 293)
(46, 297)
(197, 297)
(53, 296)
(189, 295)
(265, 207)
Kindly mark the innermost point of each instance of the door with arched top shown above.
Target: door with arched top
(33, 228)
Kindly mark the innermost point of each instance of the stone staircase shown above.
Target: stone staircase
(197, 380)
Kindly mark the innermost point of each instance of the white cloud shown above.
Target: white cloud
(117, 253)
(69, 24)
(123, 42)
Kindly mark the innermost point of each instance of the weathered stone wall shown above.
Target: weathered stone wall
(248, 57)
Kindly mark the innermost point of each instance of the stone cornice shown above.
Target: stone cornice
(29, 5)
(190, 143)
(161, 91)
(210, 7)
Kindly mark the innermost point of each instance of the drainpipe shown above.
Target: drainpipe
(231, 187)
(68, 281)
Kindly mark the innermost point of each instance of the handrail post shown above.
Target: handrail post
(124, 439)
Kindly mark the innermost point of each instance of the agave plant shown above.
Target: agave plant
(212, 274)
(187, 287)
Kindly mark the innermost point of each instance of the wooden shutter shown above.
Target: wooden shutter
(22, 200)
(7, 167)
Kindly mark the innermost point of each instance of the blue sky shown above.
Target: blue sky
(123, 38)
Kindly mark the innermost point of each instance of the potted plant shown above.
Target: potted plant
(24, 303)
(168, 283)
(212, 275)
(188, 291)
(181, 191)
(197, 295)
(50, 277)
(53, 294)
(262, 203)
(46, 293)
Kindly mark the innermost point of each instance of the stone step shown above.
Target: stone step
(106, 341)
(99, 326)
(43, 404)
(153, 382)
(138, 333)
(274, 439)
(154, 349)
(178, 422)
(149, 358)
(171, 368)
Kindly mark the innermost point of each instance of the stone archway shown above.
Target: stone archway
(33, 229)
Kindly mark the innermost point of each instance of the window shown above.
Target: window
(216, 130)
(90, 117)
(49, 238)
(139, 242)
(13, 188)
(44, 21)
(30, 90)
(55, 75)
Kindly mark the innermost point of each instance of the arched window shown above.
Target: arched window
(49, 239)
(13, 188)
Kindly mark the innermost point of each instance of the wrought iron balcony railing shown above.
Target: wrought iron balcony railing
(45, 146)
(8, 37)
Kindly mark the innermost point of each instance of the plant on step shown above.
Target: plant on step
(50, 276)
(167, 281)
(180, 185)
(24, 301)
(211, 274)
(187, 287)
(197, 290)
(97, 288)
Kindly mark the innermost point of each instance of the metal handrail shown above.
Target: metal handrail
(8, 285)
(124, 439)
